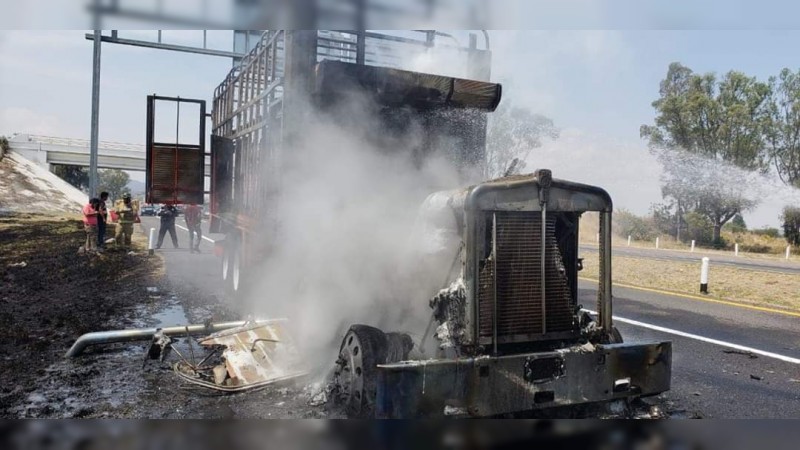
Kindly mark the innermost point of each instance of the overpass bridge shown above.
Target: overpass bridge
(49, 150)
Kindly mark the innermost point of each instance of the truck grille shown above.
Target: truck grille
(519, 311)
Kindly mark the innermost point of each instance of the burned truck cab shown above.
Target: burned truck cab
(510, 332)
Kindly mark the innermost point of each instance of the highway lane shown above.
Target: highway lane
(711, 374)
(766, 265)
(183, 233)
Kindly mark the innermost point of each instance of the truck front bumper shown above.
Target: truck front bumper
(486, 385)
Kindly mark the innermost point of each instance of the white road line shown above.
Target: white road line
(705, 339)
(204, 236)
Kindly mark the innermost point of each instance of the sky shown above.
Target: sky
(597, 86)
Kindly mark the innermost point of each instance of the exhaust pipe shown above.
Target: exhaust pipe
(146, 334)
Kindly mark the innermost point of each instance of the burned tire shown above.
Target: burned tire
(233, 269)
(356, 373)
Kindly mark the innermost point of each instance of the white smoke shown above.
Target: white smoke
(343, 254)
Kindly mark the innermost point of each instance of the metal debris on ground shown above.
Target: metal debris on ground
(159, 347)
(243, 358)
(19, 264)
(756, 377)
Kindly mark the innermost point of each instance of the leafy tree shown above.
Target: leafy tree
(791, 224)
(723, 119)
(783, 131)
(699, 228)
(75, 175)
(512, 133)
(628, 224)
(113, 181)
(707, 187)
(736, 225)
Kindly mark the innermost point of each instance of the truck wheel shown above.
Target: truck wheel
(355, 374)
(236, 272)
(615, 337)
(226, 265)
(231, 267)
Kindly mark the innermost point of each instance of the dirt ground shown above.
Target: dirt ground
(50, 295)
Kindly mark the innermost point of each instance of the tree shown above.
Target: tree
(736, 225)
(722, 119)
(512, 133)
(791, 225)
(113, 181)
(716, 190)
(75, 175)
(628, 224)
(783, 131)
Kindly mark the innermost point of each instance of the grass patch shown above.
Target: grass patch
(725, 282)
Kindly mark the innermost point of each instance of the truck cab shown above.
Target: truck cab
(511, 335)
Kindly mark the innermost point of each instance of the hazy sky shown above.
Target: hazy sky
(596, 85)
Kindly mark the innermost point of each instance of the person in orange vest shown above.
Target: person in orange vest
(193, 216)
(90, 213)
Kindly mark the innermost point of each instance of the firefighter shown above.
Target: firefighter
(102, 221)
(167, 214)
(126, 217)
(192, 214)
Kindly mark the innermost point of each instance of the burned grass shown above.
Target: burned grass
(50, 294)
(725, 282)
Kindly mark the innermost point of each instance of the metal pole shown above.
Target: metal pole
(606, 318)
(95, 115)
(543, 271)
(704, 276)
(494, 283)
(151, 244)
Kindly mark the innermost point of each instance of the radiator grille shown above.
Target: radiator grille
(519, 310)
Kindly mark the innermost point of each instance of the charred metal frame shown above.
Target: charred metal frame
(524, 195)
(260, 106)
(488, 382)
(488, 386)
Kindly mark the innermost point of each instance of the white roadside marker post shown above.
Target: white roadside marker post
(735, 249)
(656, 243)
(629, 240)
(692, 250)
(597, 239)
(152, 242)
(704, 276)
(788, 251)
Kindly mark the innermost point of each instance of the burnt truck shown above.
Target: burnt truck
(507, 330)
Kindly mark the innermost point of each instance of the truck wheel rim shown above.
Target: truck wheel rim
(225, 265)
(236, 271)
(349, 374)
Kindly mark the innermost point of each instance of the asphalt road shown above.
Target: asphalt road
(199, 271)
(764, 265)
(728, 361)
